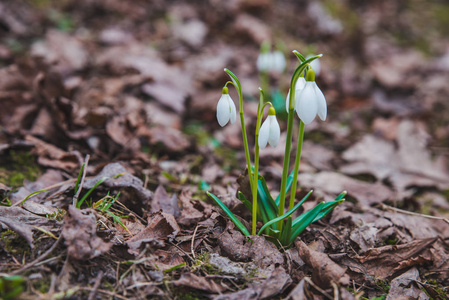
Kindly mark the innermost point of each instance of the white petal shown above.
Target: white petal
(223, 110)
(264, 133)
(306, 104)
(279, 63)
(275, 131)
(286, 101)
(233, 111)
(300, 84)
(263, 61)
(322, 105)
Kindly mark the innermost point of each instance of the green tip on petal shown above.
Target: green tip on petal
(310, 76)
(271, 111)
(225, 90)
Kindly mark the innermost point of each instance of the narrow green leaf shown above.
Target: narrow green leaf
(265, 199)
(286, 214)
(78, 180)
(235, 81)
(286, 231)
(245, 202)
(307, 219)
(327, 208)
(230, 214)
(342, 194)
(80, 202)
(299, 56)
(31, 195)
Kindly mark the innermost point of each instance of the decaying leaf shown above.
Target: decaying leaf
(161, 227)
(239, 248)
(405, 286)
(162, 201)
(24, 222)
(333, 183)
(324, 270)
(137, 196)
(80, 235)
(192, 281)
(384, 262)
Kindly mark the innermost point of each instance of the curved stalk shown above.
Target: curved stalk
(256, 161)
(238, 87)
(297, 161)
(288, 142)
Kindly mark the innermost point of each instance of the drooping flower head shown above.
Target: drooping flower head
(270, 131)
(300, 83)
(310, 101)
(226, 110)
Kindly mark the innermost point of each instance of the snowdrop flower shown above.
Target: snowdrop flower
(226, 110)
(298, 88)
(271, 62)
(264, 61)
(278, 62)
(270, 132)
(310, 101)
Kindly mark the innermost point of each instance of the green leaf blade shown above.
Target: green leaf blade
(229, 213)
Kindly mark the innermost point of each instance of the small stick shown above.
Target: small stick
(96, 286)
(80, 187)
(39, 259)
(193, 241)
(318, 288)
(387, 207)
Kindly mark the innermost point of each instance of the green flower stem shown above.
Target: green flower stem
(245, 143)
(265, 82)
(297, 161)
(288, 145)
(236, 83)
(260, 108)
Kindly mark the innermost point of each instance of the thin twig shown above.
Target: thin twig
(96, 286)
(193, 241)
(387, 207)
(336, 293)
(80, 186)
(39, 259)
(318, 288)
(112, 294)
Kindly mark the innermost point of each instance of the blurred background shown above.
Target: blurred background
(138, 81)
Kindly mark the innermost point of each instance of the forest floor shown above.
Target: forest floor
(128, 89)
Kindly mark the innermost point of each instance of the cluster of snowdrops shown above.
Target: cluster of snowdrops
(305, 100)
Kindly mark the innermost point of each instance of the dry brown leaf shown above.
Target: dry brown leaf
(162, 201)
(239, 248)
(161, 227)
(192, 211)
(24, 222)
(137, 197)
(334, 183)
(67, 51)
(384, 262)
(405, 285)
(192, 281)
(324, 270)
(80, 235)
(52, 156)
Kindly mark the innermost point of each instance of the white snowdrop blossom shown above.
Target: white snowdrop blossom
(270, 132)
(271, 62)
(310, 101)
(278, 62)
(298, 88)
(226, 110)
